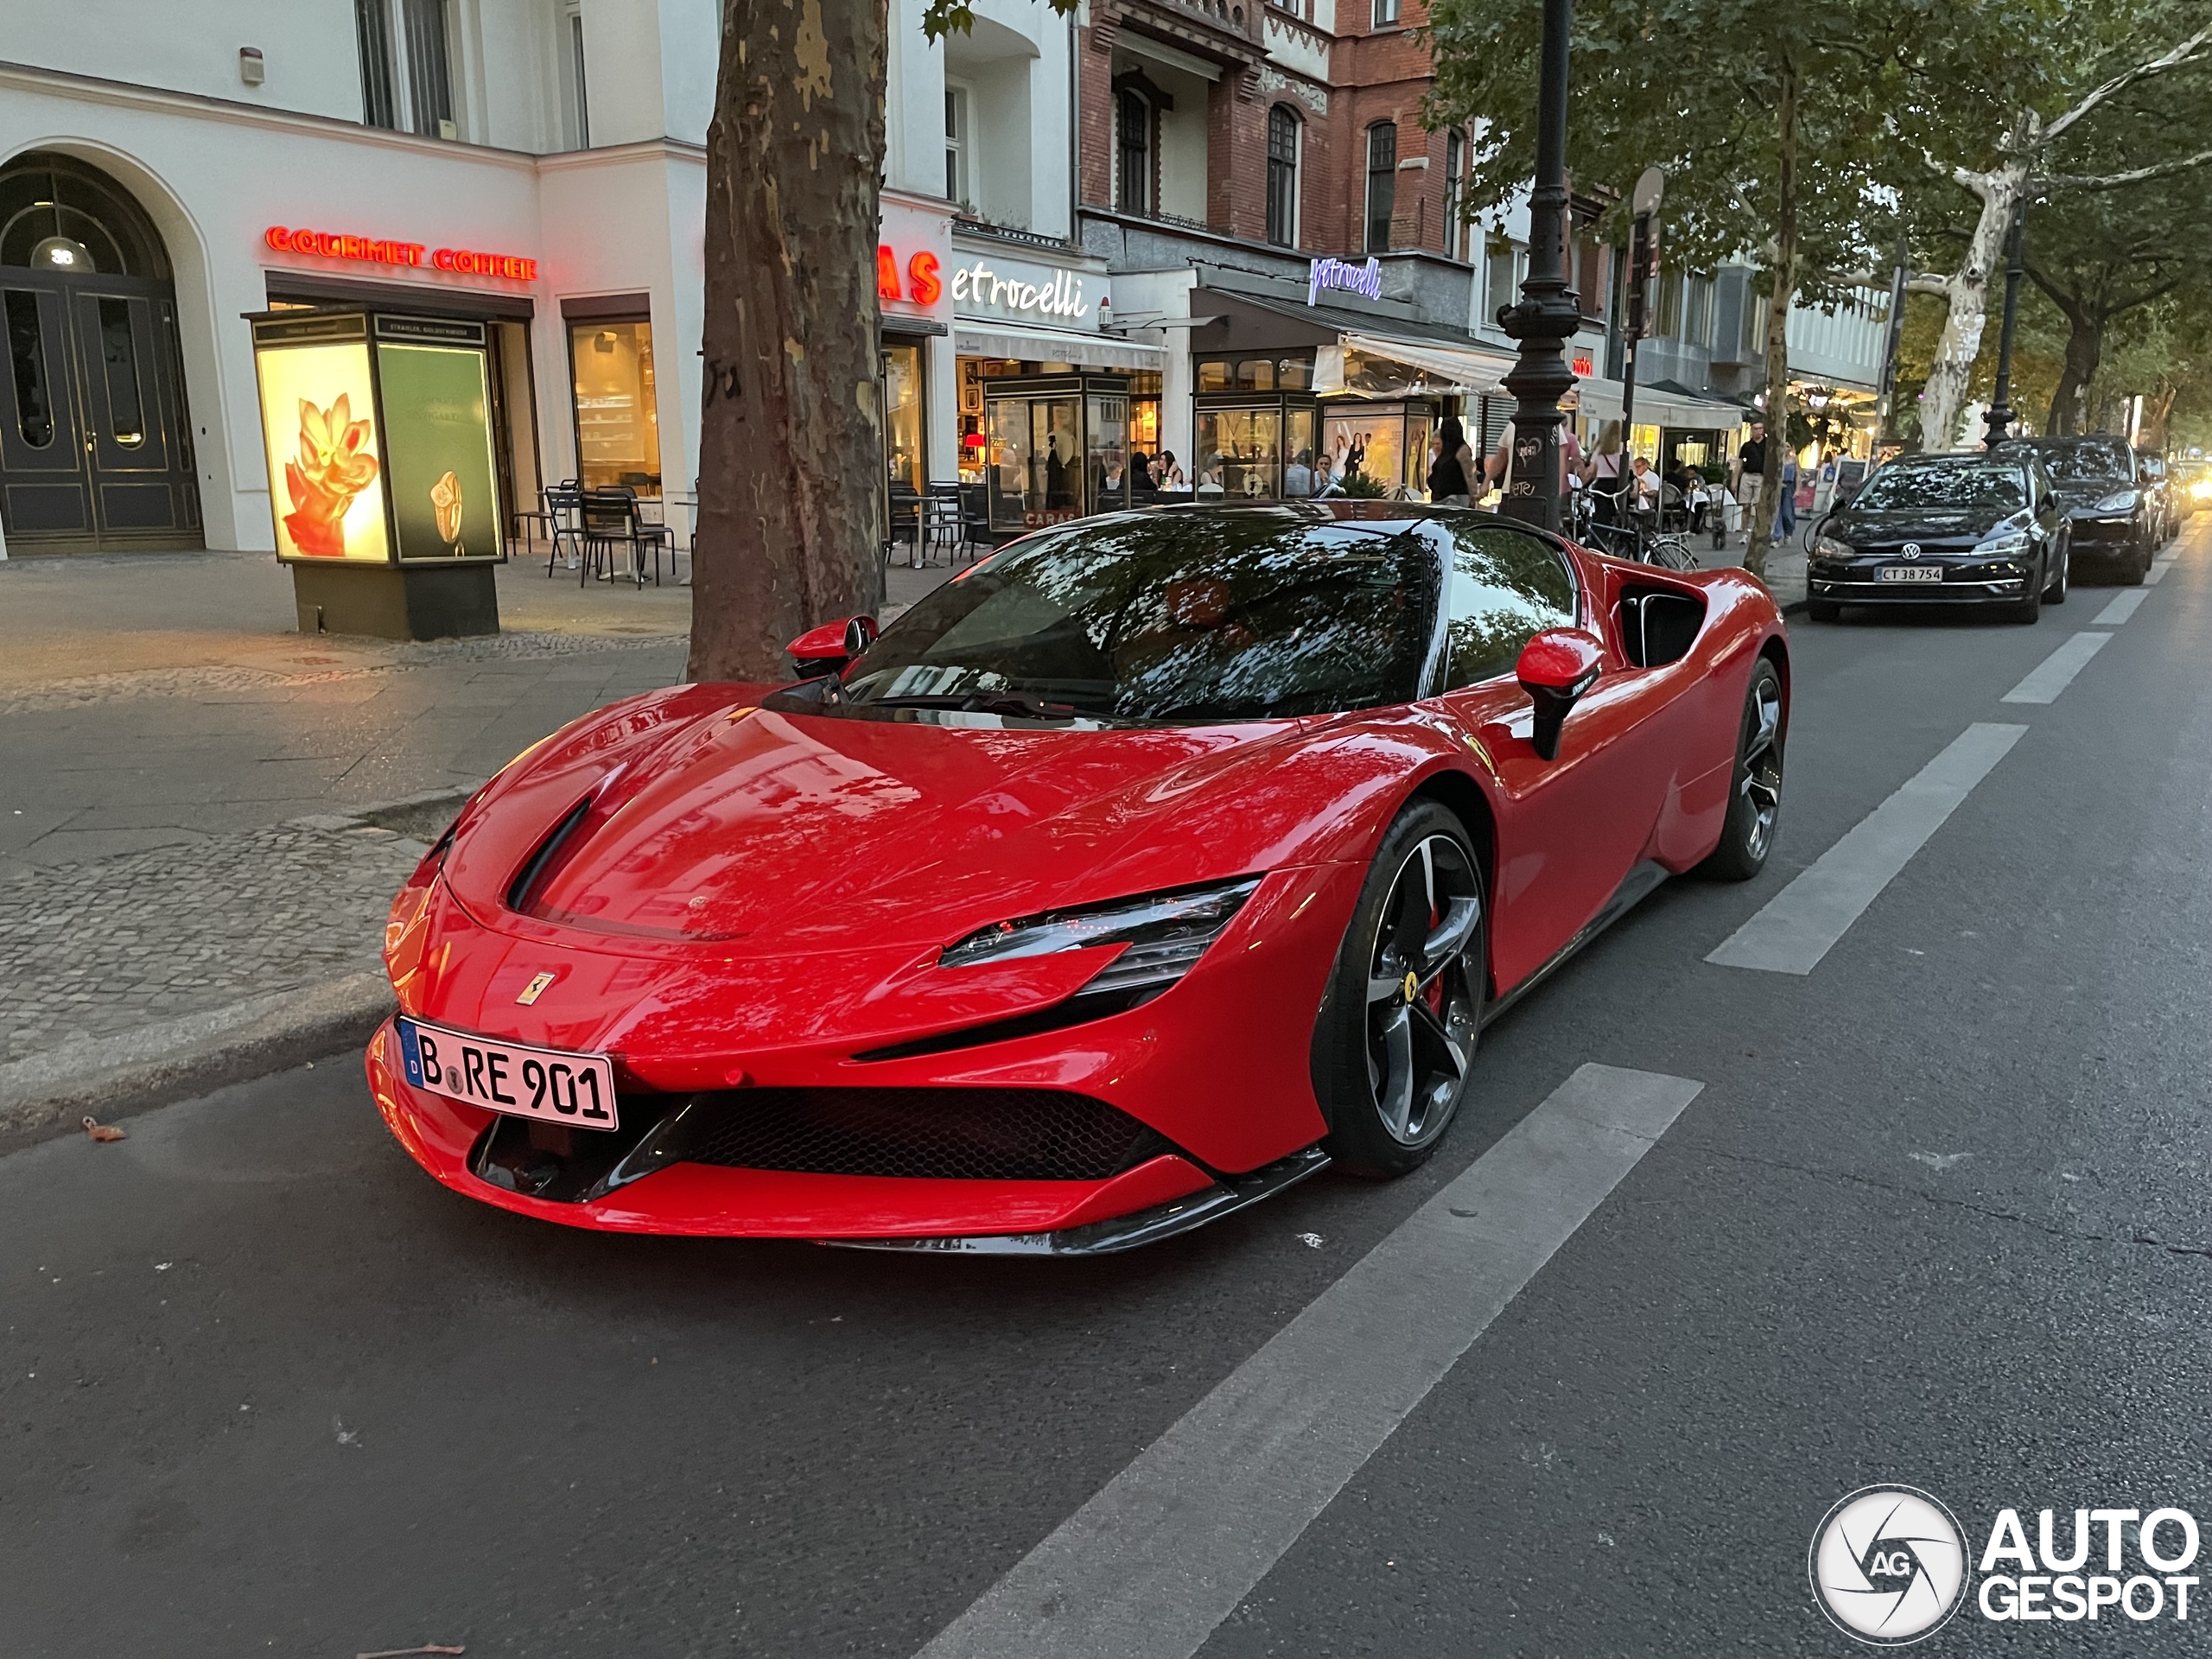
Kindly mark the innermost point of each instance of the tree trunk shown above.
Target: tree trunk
(791, 444)
(1761, 538)
(1966, 292)
(2085, 347)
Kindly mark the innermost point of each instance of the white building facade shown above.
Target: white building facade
(536, 166)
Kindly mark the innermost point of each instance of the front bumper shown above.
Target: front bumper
(1966, 581)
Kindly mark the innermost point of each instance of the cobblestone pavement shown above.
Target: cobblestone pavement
(94, 949)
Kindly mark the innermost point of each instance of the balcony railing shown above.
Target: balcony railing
(968, 226)
(1237, 16)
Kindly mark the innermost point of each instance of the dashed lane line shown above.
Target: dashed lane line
(2057, 671)
(1799, 926)
(2124, 604)
(2155, 574)
(1168, 1548)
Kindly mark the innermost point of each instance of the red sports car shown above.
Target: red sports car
(1141, 870)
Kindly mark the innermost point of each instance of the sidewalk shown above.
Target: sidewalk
(204, 814)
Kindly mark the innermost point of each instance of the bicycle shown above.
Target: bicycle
(1638, 542)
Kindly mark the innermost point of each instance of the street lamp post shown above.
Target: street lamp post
(1549, 313)
(2001, 403)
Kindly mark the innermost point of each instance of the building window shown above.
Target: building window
(1386, 14)
(1456, 229)
(1132, 152)
(1697, 320)
(618, 413)
(1284, 131)
(406, 66)
(955, 144)
(1382, 183)
(373, 32)
(1590, 273)
(1669, 319)
(577, 83)
(1502, 280)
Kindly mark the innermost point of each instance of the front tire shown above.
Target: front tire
(1396, 1039)
(2055, 593)
(2029, 610)
(1754, 786)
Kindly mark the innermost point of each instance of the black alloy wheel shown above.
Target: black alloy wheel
(2030, 608)
(1755, 792)
(2055, 593)
(1397, 1035)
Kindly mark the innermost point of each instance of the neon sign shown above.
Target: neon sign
(379, 250)
(1335, 273)
(921, 276)
(1584, 366)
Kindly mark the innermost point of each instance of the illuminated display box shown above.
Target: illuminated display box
(382, 482)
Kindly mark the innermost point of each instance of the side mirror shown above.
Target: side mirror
(827, 649)
(1556, 669)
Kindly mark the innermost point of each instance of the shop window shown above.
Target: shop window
(1239, 453)
(618, 417)
(1382, 181)
(1388, 442)
(1284, 132)
(1133, 129)
(1036, 473)
(27, 357)
(902, 416)
(1256, 374)
(1213, 374)
(1144, 413)
(1299, 450)
(1294, 374)
(126, 409)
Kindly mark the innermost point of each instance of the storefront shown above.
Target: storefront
(1288, 399)
(1057, 417)
(916, 368)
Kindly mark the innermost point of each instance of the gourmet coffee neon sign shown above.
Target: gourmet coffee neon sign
(380, 250)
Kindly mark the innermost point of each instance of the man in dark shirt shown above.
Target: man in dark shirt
(1750, 471)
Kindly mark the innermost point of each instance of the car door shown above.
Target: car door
(1570, 829)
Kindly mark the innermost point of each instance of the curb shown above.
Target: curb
(169, 1060)
(176, 1059)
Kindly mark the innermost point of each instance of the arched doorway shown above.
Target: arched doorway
(95, 435)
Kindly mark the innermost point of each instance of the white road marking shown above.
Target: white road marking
(2057, 671)
(1149, 1566)
(2155, 575)
(1798, 925)
(2124, 604)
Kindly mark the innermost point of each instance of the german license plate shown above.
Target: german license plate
(577, 1089)
(1910, 573)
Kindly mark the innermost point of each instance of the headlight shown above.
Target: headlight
(2202, 490)
(1166, 932)
(2002, 544)
(2118, 501)
(1827, 547)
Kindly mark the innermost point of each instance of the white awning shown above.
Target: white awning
(1025, 344)
(1601, 401)
(1449, 370)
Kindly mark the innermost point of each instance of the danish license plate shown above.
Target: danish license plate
(577, 1089)
(1910, 573)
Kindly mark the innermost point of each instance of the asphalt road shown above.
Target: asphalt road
(1934, 1216)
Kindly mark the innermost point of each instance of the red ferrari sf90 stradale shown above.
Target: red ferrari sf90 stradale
(1139, 872)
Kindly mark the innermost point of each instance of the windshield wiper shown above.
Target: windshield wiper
(991, 702)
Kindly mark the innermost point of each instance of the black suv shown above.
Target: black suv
(1943, 530)
(2110, 502)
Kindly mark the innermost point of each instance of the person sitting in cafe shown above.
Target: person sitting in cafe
(1297, 477)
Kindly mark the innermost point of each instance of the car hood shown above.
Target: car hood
(2078, 492)
(747, 830)
(1863, 524)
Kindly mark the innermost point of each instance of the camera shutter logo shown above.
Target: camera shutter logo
(1888, 1565)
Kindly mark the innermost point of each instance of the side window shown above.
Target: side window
(1507, 585)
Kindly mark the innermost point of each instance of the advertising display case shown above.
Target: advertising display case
(382, 480)
(1056, 447)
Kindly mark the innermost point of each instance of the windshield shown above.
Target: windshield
(1953, 488)
(2089, 462)
(1246, 614)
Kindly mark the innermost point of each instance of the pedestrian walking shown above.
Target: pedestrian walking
(1449, 475)
(1750, 471)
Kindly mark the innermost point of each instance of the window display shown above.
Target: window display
(618, 417)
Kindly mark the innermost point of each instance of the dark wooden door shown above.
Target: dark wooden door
(96, 446)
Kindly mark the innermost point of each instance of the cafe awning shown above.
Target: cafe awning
(1372, 365)
(1661, 406)
(1021, 342)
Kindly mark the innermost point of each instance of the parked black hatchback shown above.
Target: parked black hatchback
(1943, 530)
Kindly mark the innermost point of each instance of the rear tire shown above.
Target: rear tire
(1754, 785)
(1390, 1065)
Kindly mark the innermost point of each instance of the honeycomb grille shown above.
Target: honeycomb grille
(975, 1134)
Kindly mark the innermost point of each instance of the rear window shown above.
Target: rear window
(1178, 617)
(2089, 460)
